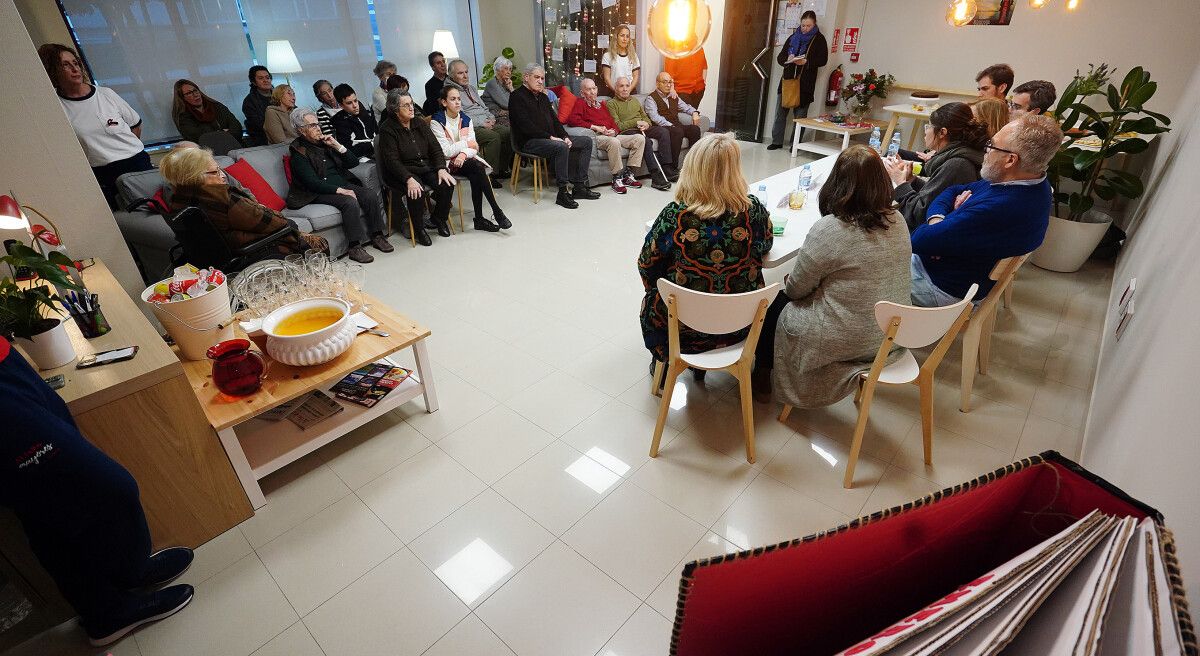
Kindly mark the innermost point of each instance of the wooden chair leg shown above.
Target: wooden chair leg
(858, 392)
(538, 172)
(516, 173)
(664, 406)
(787, 410)
(1008, 294)
(970, 356)
(391, 200)
(412, 234)
(925, 383)
(659, 368)
(461, 225)
(985, 343)
(860, 428)
(743, 376)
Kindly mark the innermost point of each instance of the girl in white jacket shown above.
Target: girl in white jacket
(457, 137)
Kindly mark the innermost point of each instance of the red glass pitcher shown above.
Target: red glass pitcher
(237, 370)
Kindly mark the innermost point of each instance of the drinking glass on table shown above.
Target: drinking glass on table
(356, 277)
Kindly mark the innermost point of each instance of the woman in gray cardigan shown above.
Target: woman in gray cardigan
(957, 139)
(821, 332)
(498, 89)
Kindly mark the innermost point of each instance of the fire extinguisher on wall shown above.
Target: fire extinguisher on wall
(834, 95)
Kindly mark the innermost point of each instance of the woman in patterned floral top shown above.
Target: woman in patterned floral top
(712, 238)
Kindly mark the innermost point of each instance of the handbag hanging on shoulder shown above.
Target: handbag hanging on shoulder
(789, 93)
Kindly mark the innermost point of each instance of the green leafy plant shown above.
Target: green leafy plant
(489, 70)
(24, 306)
(1119, 129)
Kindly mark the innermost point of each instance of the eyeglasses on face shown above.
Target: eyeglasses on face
(1014, 107)
(309, 126)
(215, 172)
(990, 146)
(192, 92)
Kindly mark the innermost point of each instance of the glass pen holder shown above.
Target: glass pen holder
(91, 321)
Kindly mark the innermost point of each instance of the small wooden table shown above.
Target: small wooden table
(259, 447)
(818, 125)
(906, 110)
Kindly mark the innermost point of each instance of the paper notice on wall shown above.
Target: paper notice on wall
(589, 66)
(602, 41)
(790, 13)
(574, 37)
(551, 15)
(556, 54)
(815, 6)
(851, 42)
(576, 6)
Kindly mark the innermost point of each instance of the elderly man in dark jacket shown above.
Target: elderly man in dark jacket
(536, 129)
(321, 174)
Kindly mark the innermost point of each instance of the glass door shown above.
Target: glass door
(744, 92)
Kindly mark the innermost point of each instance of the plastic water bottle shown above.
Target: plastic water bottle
(877, 140)
(805, 178)
(761, 194)
(894, 146)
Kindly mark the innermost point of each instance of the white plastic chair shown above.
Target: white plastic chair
(977, 338)
(910, 327)
(715, 314)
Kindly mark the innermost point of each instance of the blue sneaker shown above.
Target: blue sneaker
(166, 566)
(147, 608)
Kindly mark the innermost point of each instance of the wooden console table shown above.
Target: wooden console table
(258, 447)
(817, 125)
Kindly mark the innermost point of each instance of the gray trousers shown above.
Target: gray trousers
(362, 216)
(569, 165)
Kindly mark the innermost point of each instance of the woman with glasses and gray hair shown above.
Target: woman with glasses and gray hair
(499, 88)
(321, 174)
(383, 70)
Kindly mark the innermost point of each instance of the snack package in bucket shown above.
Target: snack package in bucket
(186, 282)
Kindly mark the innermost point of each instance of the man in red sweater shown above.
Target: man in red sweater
(591, 113)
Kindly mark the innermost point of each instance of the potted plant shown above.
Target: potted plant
(25, 307)
(1093, 136)
(861, 88)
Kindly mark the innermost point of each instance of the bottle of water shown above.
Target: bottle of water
(761, 194)
(894, 146)
(877, 140)
(805, 178)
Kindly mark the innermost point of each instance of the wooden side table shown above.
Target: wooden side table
(816, 146)
(259, 447)
(906, 111)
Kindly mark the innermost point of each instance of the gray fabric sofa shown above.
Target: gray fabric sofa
(150, 238)
(598, 168)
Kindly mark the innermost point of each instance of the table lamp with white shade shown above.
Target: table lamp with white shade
(443, 42)
(282, 59)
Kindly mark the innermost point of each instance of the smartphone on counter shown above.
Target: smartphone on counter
(107, 357)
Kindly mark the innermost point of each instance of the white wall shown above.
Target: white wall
(1143, 430)
(508, 23)
(43, 162)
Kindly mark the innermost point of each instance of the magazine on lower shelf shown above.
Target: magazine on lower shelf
(367, 385)
(317, 407)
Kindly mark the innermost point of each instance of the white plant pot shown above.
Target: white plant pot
(51, 349)
(1068, 244)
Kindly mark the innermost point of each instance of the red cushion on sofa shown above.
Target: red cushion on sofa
(160, 202)
(254, 181)
(566, 102)
(287, 168)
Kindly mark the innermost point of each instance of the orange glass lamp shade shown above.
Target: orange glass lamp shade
(1038, 4)
(961, 12)
(678, 28)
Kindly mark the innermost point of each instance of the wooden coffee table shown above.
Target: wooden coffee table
(258, 447)
(827, 147)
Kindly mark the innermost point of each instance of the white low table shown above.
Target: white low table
(827, 146)
(799, 222)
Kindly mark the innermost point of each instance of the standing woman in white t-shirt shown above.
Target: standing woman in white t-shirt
(106, 126)
(620, 60)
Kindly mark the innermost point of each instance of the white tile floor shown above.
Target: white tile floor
(525, 517)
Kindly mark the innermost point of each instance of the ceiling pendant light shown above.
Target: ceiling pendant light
(1072, 5)
(961, 12)
(1038, 4)
(678, 28)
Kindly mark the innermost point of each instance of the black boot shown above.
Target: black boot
(564, 198)
(443, 227)
(658, 180)
(671, 172)
(501, 220)
(581, 191)
(423, 237)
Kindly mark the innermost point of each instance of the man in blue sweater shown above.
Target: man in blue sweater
(971, 227)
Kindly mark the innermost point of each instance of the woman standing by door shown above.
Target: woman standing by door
(804, 53)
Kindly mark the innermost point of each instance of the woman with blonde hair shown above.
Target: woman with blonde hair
(820, 332)
(197, 181)
(278, 121)
(712, 238)
(196, 114)
(620, 60)
(992, 112)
